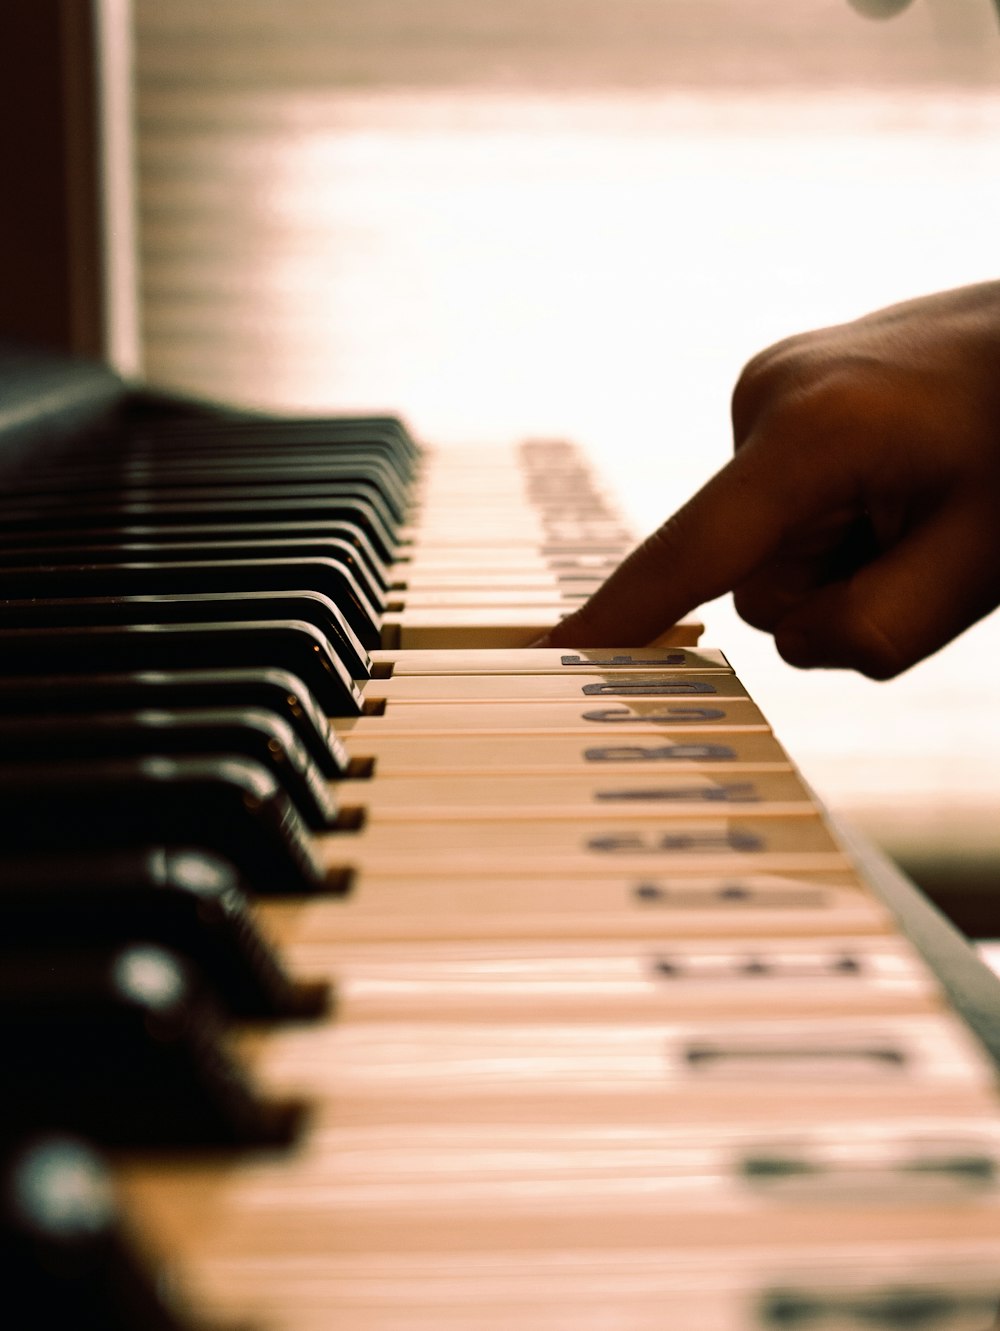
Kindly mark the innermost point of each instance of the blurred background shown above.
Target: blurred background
(579, 218)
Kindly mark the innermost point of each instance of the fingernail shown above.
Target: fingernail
(543, 641)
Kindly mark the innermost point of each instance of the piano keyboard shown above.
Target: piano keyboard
(391, 976)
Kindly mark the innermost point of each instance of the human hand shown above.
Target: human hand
(859, 520)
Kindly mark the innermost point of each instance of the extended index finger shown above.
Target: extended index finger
(726, 531)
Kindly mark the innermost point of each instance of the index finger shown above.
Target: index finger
(734, 523)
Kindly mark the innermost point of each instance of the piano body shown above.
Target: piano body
(365, 969)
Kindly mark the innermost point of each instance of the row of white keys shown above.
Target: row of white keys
(482, 517)
(494, 555)
(623, 1039)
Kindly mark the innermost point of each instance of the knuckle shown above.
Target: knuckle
(874, 649)
(842, 630)
(763, 381)
(746, 401)
(805, 392)
(876, 656)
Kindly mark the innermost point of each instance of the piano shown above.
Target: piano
(366, 968)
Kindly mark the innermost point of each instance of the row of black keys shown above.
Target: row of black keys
(215, 532)
(163, 758)
(227, 688)
(183, 615)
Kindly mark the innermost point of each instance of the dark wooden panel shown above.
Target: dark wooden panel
(51, 287)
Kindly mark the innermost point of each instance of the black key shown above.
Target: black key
(363, 491)
(126, 1047)
(297, 648)
(274, 691)
(291, 538)
(191, 903)
(369, 583)
(67, 1256)
(386, 434)
(267, 463)
(232, 731)
(223, 456)
(122, 475)
(200, 576)
(232, 807)
(202, 458)
(196, 607)
(203, 512)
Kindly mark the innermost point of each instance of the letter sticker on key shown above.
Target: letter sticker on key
(637, 753)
